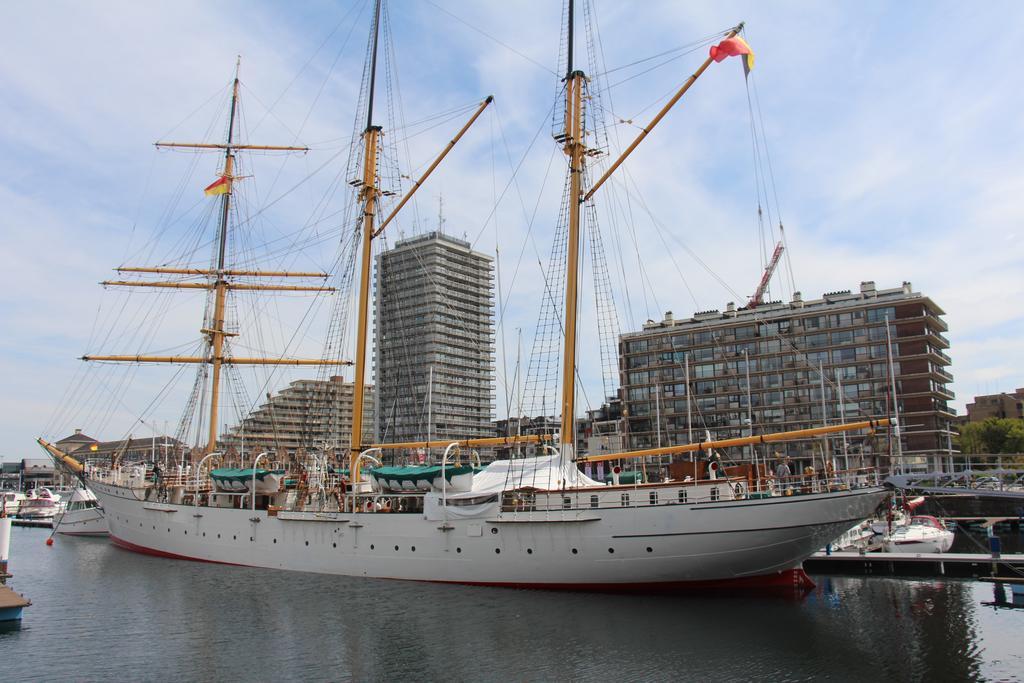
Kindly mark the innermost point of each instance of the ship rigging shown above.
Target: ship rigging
(527, 521)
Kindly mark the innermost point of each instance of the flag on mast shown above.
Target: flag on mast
(218, 186)
(734, 47)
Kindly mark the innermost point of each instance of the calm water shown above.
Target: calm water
(105, 613)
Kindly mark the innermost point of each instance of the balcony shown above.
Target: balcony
(936, 322)
(937, 339)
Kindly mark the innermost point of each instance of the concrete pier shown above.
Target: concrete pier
(915, 564)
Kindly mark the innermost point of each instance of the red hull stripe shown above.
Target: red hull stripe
(790, 579)
(120, 542)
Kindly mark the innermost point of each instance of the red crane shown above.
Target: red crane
(763, 285)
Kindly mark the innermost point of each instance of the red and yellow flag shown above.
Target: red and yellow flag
(219, 186)
(734, 47)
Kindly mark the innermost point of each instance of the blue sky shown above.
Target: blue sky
(895, 134)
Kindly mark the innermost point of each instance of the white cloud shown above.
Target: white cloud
(892, 163)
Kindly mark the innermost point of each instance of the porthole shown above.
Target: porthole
(682, 495)
(307, 544)
(650, 549)
(371, 546)
(494, 529)
(334, 545)
(396, 548)
(251, 539)
(529, 551)
(186, 532)
(653, 497)
(275, 540)
(611, 551)
(234, 538)
(497, 551)
(168, 529)
(593, 501)
(414, 548)
(625, 500)
(458, 550)
(218, 535)
(204, 534)
(575, 552)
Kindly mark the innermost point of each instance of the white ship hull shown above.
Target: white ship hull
(756, 542)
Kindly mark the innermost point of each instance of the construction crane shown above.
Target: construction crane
(755, 300)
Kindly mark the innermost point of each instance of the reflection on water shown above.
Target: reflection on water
(118, 614)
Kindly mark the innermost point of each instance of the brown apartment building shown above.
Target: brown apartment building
(785, 348)
(1003, 405)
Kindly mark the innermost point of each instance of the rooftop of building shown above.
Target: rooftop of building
(439, 237)
(867, 295)
(78, 437)
(1015, 395)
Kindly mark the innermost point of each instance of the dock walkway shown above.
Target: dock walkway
(916, 564)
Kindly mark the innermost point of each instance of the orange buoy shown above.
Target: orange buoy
(49, 541)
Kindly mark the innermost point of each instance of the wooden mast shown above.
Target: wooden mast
(574, 148)
(368, 195)
(220, 285)
(216, 331)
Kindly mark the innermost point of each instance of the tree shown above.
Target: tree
(992, 436)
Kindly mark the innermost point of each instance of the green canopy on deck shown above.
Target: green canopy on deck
(630, 477)
(396, 477)
(225, 474)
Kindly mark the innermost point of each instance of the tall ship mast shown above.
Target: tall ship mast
(219, 281)
(531, 520)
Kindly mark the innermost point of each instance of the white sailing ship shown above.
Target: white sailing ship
(534, 521)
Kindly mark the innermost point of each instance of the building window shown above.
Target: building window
(816, 340)
(843, 337)
(844, 355)
(880, 314)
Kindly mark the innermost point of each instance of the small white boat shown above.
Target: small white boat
(41, 504)
(11, 501)
(83, 516)
(924, 534)
(854, 538)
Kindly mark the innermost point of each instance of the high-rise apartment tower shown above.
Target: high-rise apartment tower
(434, 351)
